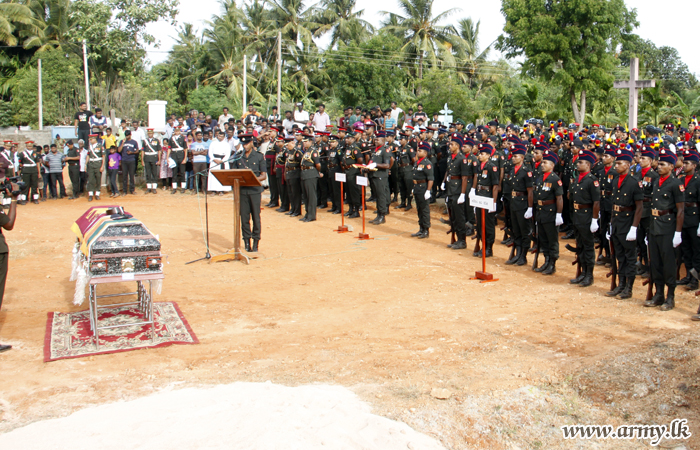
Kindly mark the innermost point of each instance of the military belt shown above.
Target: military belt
(452, 177)
(619, 208)
(582, 205)
(519, 194)
(483, 188)
(403, 165)
(545, 202)
(420, 181)
(607, 193)
(691, 205)
(660, 212)
(647, 199)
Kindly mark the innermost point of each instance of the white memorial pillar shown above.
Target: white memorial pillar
(156, 115)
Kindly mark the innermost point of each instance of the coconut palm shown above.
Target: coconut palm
(294, 19)
(338, 18)
(422, 35)
(187, 58)
(15, 17)
(469, 56)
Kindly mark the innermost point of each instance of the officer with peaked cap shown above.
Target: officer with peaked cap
(584, 193)
(548, 200)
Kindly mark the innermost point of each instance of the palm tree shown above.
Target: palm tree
(294, 19)
(470, 57)
(423, 37)
(337, 17)
(187, 58)
(55, 15)
(652, 103)
(15, 16)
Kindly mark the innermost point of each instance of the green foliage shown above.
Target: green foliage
(357, 83)
(440, 87)
(207, 99)
(6, 119)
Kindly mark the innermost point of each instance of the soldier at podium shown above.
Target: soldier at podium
(251, 195)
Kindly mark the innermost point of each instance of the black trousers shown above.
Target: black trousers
(274, 188)
(151, 170)
(662, 259)
(394, 176)
(690, 247)
(31, 179)
(406, 184)
(335, 189)
(521, 227)
(354, 192)
(282, 189)
(309, 187)
(178, 174)
(381, 191)
(605, 217)
(549, 239)
(584, 240)
(57, 177)
(422, 206)
(74, 175)
(294, 189)
(85, 136)
(322, 189)
(625, 254)
(458, 221)
(507, 200)
(4, 262)
(642, 232)
(49, 188)
(490, 223)
(83, 181)
(128, 173)
(250, 207)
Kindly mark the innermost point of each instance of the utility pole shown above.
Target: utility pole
(87, 77)
(279, 72)
(245, 82)
(41, 102)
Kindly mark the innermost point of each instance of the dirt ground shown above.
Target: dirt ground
(391, 318)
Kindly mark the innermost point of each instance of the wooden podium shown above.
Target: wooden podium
(235, 178)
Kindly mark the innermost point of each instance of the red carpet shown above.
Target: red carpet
(68, 335)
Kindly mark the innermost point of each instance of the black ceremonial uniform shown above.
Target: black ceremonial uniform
(646, 177)
(607, 176)
(690, 246)
(151, 148)
(487, 178)
(279, 162)
(94, 162)
(404, 160)
(662, 227)
(547, 188)
(380, 177)
(270, 154)
(623, 198)
(74, 170)
(178, 146)
(520, 179)
(29, 164)
(349, 158)
(457, 171)
(334, 157)
(251, 195)
(394, 172)
(323, 187)
(582, 195)
(422, 173)
(293, 179)
(309, 181)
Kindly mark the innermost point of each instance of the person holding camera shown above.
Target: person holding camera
(7, 221)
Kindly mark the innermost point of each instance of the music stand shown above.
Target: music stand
(235, 178)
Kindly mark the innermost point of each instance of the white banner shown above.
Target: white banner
(362, 181)
(478, 201)
(340, 177)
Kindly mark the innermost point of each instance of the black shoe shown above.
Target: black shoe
(323, 206)
(588, 278)
(90, 198)
(692, 285)
(337, 211)
(354, 215)
(425, 234)
(670, 302)
(255, 245)
(349, 213)
(417, 233)
(603, 260)
(522, 260)
(446, 222)
(618, 290)
(510, 241)
(477, 254)
(174, 191)
(394, 199)
(402, 205)
(489, 250)
(543, 266)
(372, 199)
(461, 244)
(304, 219)
(379, 220)
(570, 235)
(4, 347)
(516, 256)
(551, 269)
(281, 210)
(683, 281)
(295, 215)
(247, 244)
(579, 278)
(627, 292)
(658, 298)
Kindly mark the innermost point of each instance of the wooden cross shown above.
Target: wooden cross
(633, 85)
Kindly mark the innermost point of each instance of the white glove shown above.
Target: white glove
(492, 209)
(698, 227)
(528, 213)
(427, 195)
(632, 235)
(646, 240)
(594, 225)
(472, 193)
(676, 239)
(442, 186)
(607, 235)
(559, 220)
(461, 199)
(372, 165)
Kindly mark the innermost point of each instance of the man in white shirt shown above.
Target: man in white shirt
(169, 127)
(274, 117)
(301, 117)
(223, 119)
(395, 112)
(219, 152)
(288, 123)
(137, 133)
(233, 143)
(321, 119)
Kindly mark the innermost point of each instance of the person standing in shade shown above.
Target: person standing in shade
(422, 179)
(690, 245)
(548, 200)
(29, 161)
(521, 181)
(456, 183)
(129, 148)
(310, 173)
(82, 122)
(627, 198)
(667, 216)
(486, 184)
(584, 192)
(178, 154)
(251, 195)
(95, 167)
(378, 168)
(149, 160)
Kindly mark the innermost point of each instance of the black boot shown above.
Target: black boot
(552, 268)
(523, 257)
(489, 250)
(543, 266)
(579, 278)
(670, 302)
(588, 279)
(395, 198)
(515, 258)
(692, 284)
(620, 287)
(418, 233)
(255, 245)
(460, 244)
(627, 292)
(401, 205)
(379, 220)
(426, 234)
(683, 281)
(658, 298)
(247, 244)
(409, 204)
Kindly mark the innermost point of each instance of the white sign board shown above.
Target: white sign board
(478, 201)
(362, 181)
(340, 177)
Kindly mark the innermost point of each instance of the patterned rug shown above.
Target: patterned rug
(68, 335)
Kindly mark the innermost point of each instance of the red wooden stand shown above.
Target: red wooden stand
(483, 275)
(342, 228)
(363, 236)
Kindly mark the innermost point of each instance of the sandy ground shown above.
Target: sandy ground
(394, 319)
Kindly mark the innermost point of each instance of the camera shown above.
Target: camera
(6, 186)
